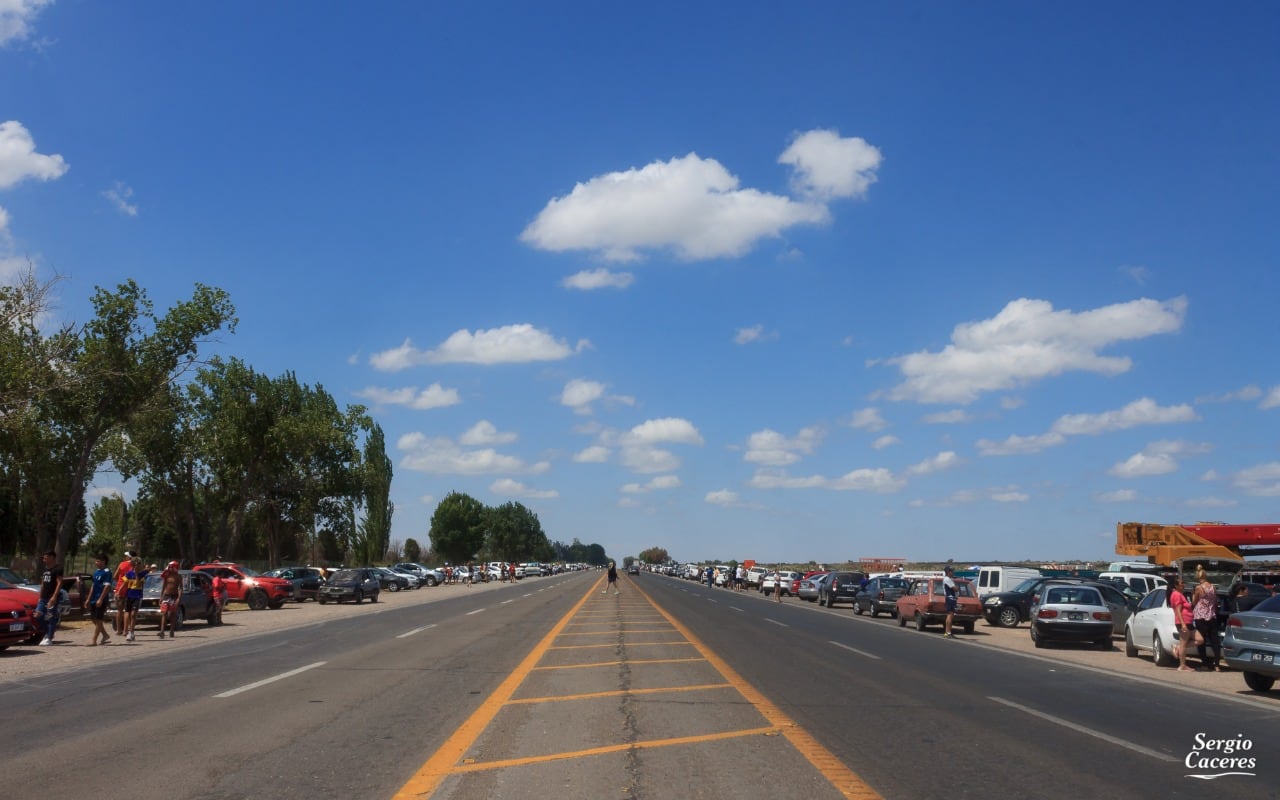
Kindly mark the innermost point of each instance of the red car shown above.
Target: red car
(16, 624)
(246, 586)
(925, 604)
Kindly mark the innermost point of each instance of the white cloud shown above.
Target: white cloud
(994, 494)
(868, 419)
(1272, 400)
(119, 195)
(590, 279)
(629, 502)
(659, 483)
(756, 333)
(1019, 445)
(722, 497)
(645, 459)
(1140, 412)
(16, 17)
(18, 157)
(948, 417)
(1262, 480)
(691, 206)
(777, 479)
(1210, 502)
(427, 499)
(1139, 274)
(434, 396)
(1117, 496)
(592, 455)
(510, 344)
(1028, 341)
(103, 491)
(1157, 458)
(828, 166)
(508, 487)
(880, 480)
(1010, 402)
(668, 429)
(443, 456)
(942, 461)
(773, 449)
(1210, 475)
(483, 433)
(579, 394)
(885, 441)
(1009, 496)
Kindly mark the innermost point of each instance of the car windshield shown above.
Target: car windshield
(1026, 586)
(250, 573)
(346, 575)
(893, 583)
(1271, 605)
(9, 575)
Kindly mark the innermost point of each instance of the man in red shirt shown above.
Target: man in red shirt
(126, 564)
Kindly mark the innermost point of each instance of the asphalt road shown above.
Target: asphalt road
(671, 690)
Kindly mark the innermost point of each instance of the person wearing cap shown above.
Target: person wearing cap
(170, 593)
(126, 564)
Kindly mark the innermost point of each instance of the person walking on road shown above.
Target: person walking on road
(613, 580)
(126, 563)
(1205, 613)
(134, 579)
(170, 596)
(949, 592)
(96, 602)
(50, 592)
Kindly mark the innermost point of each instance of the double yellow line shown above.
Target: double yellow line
(450, 759)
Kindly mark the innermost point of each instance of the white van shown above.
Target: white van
(1133, 584)
(1001, 578)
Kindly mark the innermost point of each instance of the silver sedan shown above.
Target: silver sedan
(1252, 644)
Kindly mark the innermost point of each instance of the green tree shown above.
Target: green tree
(412, 550)
(654, 555)
(514, 533)
(374, 530)
(108, 526)
(457, 527)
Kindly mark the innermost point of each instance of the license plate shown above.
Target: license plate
(1075, 615)
(17, 626)
(1263, 658)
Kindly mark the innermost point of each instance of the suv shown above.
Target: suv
(428, 576)
(1008, 609)
(839, 587)
(755, 576)
(306, 580)
(246, 586)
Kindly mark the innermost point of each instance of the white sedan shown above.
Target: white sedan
(1151, 629)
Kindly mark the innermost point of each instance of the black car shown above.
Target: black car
(1008, 609)
(880, 595)
(306, 581)
(351, 584)
(633, 569)
(1254, 593)
(839, 587)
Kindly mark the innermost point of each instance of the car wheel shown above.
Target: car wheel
(393, 587)
(873, 611)
(275, 604)
(180, 618)
(857, 609)
(359, 597)
(1036, 640)
(968, 627)
(902, 621)
(373, 598)
(920, 623)
(822, 600)
(1009, 617)
(1130, 649)
(1162, 657)
(322, 600)
(431, 581)
(1104, 644)
(1258, 682)
(257, 600)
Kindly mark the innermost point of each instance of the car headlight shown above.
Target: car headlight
(991, 601)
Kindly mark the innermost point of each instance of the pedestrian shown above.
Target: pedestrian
(739, 578)
(170, 596)
(1183, 619)
(949, 593)
(96, 602)
(47, 610)
(126, 563)
(512, 569)
(134, 580)
(613, 580)
(1205, 613)
(219, 588)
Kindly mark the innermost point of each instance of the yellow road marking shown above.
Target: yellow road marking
(618, 693)
(612, 644)
(613, 748)
(618, 663)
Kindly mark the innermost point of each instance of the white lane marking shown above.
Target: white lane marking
(1137, 748)
(415, 630)
(265, 681)
(735, 608)
(477, 611)
(862, 653)
(775, 622)
(504, 602)
(530, 594)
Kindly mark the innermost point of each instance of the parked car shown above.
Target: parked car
(754, 576)
(1120, 604)
(783, 581)
(879, 596)
(1071, 612)
(29, 596)
(808, 587)
(1254, 594)
(16, 624)
(306, 580)
(924, 603)
(428, 576)
(531, 570)
(1252, 644)
(1151, 627)
(352, 584)
(1134, 584)
(839, 587)
(391, 580)
(633, 569)
(246, 586)
(195, 602)
(1008, 609)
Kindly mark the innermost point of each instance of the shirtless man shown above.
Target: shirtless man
(170, 595)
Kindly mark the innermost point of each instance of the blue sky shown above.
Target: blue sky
(788, 282)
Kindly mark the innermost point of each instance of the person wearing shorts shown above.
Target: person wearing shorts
(949, 591)
(134, 579)
(170, 594)
(96, 603)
